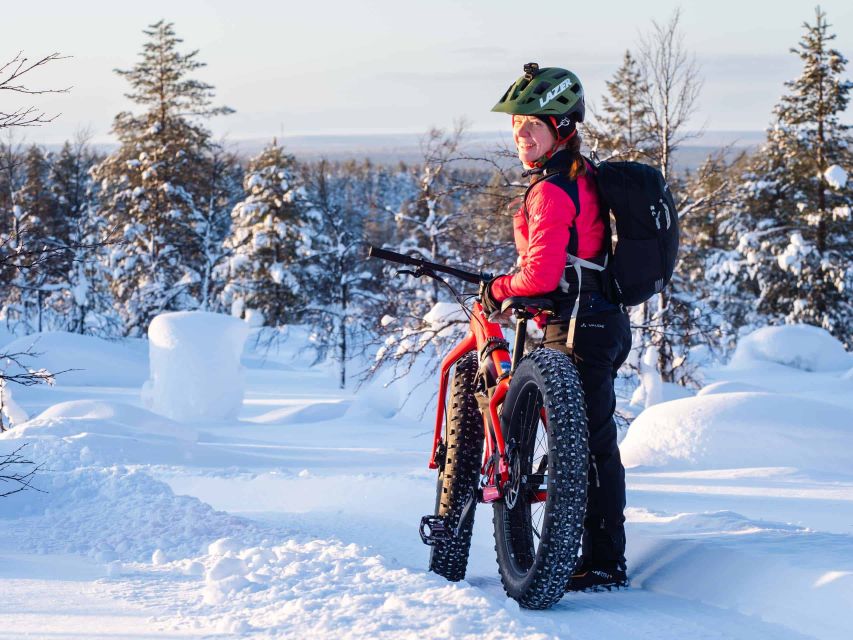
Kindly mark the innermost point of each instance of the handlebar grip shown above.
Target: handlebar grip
(399, 258)
(391, 256)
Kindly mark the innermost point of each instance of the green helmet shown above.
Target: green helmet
(544, 92)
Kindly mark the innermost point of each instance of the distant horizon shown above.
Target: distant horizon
(344, 69)
(695, 137)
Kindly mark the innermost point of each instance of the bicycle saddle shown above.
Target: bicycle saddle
(518, 303)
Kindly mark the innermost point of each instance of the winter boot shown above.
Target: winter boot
(590, 578)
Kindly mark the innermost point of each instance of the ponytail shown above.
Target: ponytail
(577, 165)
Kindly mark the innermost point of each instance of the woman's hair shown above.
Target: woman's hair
(577, 165)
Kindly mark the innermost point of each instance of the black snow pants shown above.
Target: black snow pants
(602, 343)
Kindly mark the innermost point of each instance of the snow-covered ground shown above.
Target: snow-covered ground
(299, 517)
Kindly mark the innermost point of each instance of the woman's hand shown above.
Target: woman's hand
(490, 305)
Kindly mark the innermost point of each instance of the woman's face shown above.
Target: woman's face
(533, 138)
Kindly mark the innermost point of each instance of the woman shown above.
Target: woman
(561, 234)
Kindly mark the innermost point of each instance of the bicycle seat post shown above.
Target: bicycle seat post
(520, 335)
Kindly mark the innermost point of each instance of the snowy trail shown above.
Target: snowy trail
(62, 597)
(314, 499)
(339, 498)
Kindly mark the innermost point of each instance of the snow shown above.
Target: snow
(836, 177)
(85, 360)
(764, 421)
(800, 346)
(298, 516)
(195, 365)
(443, 316)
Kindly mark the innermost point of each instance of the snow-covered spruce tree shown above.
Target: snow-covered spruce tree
(153, 187)
(10, 183)
(622, 129)
(794, 222)
(86, 296)
(36, 240)
(705, 307)
(220, 192)
(264, 240)
(340, 289)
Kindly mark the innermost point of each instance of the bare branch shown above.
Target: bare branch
(17, 472)
(672, 87)
(10, 80)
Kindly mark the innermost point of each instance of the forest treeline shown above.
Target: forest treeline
(173, 220)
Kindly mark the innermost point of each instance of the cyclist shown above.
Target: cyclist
(561, 234)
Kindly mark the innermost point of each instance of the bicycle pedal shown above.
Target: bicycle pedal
(434, 529)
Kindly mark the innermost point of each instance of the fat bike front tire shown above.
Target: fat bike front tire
(459, 474)
(537, 542)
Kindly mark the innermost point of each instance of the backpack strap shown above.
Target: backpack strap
(578, 264)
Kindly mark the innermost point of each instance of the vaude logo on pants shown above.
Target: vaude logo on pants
(553, 93)
(656, 214)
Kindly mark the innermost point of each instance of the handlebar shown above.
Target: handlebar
(424, 268)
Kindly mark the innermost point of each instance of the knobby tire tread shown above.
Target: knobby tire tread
(545, 581)
(461, 470)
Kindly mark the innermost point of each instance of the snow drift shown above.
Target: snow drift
(774, 418)
(86, 360)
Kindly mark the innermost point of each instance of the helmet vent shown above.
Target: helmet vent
(560, 74)
(541, 88)
(562, 99)
(575, 88)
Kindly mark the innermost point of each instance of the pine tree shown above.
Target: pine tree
(220, 193)
(37, 242)
(621, 131)
(343, 296)
(86, 297)
(265, 238)
(11, 244)
(795, 226)
(153, 186)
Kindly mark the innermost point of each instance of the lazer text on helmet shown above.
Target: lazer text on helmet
(553, 93)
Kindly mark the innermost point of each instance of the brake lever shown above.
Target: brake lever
(419, 272)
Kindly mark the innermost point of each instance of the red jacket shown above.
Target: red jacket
(556, 209)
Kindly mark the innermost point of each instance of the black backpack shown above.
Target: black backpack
(646, 227)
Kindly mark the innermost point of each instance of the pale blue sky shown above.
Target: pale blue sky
(302, 66)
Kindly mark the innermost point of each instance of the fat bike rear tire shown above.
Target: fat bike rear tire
(459, 474)
(537, 542)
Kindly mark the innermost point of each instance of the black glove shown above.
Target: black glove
(490, 305)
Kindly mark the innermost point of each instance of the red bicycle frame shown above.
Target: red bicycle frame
(481, 333)
(487, 339)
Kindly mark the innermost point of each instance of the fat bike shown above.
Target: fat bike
(510, 431)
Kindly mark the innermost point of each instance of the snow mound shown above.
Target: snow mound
(6, 337)
(800, 346)
(316, 412)
(328, 589)
(119, 514)
(729, 386)
(747, 429)
(86, 433)
(113, 418)
(195, 365)
(86, 360)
